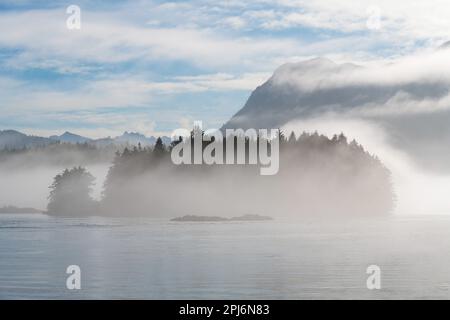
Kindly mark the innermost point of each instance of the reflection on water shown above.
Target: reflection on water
(159, 259)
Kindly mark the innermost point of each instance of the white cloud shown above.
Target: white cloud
(420, 19)
(115, 92)
(95, 94)
(212, 37)
(235, 22)
(411, 183)
(104, 39)
(426, 72)
(223, 81)
(95, 125)
(206, 35)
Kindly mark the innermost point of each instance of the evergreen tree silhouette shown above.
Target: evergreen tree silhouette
(70, 193)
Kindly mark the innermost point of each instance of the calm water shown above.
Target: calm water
(157, 259)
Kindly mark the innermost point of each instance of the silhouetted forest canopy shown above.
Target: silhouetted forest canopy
(70, 193)
(318, 176)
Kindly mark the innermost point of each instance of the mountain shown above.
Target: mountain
(11, 139)
(103, 142)
(408, 100)
(15, 140)
(68, 137)
(131, 139)
(134, 138)
(445, 46)
(286, 95)
(319, 86)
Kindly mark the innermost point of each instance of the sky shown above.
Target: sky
(154, 66)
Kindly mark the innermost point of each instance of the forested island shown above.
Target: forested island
(318, 176)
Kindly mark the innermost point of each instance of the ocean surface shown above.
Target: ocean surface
(280, 259)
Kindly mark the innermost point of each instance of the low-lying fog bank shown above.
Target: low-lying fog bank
(418, 190)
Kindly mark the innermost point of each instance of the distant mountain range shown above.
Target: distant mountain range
(11, 139)
(68, 137)
(15, 140)
(412, 107)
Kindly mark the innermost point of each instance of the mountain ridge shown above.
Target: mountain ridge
(16, 140)
(379, 94)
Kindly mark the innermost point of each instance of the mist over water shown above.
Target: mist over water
(123, 258)
(418, 190)
(355, 205)
(29, 186)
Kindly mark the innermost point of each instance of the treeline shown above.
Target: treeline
(57, 154)
(317, 176)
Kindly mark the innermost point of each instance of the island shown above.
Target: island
(14, 210)
(247, 217)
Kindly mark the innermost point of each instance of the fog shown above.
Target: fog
(25, 180)
(317, 177)
(408, 97)
(418, 191)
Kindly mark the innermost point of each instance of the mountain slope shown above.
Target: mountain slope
(15, 140)
(409, 100)
(11, 139)
(320, 86)
(69, 137)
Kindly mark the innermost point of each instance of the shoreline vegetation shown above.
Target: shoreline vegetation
(247, 217)
(318, 176)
